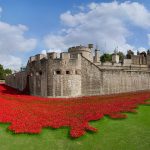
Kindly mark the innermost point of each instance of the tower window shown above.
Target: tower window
(67, 72)
(58, 72)
(40, 72)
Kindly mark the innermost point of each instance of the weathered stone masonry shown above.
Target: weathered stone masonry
(75, 73)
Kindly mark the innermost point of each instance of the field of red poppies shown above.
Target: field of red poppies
(29, 114)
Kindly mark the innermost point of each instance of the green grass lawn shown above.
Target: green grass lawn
(132, 133)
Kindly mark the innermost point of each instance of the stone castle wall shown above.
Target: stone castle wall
(96, 81)
(64, 76)
(17, 80)
(90, 78)
(74, 74)
(37, 71)
(119, 81)
(51, 76)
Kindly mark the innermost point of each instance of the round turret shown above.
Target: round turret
(83, 50)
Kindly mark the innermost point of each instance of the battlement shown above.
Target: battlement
(54, 56)
(37, 57)
(79, 48)
(73, 53)
(78, 73)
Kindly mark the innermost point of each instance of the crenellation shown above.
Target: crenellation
(52, 55)
(79, 73)
(32, 58)
(65, 55)
(38, 57)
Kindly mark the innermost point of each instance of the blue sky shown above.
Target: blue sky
(28, 27)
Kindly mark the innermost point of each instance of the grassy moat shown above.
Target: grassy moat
(29, 115)
(132, 133)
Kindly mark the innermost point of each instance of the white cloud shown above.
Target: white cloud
(72, 20)
(82, 8)
(55, 42)
(12, 43)
(141, 49)
(104, 24)
(44, 52)
(11, 62)
(12, 39)
(93, 5)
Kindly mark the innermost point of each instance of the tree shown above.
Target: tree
(8, 71)
(129, 54)
(1, 72)
(4, 72)
(121, 56)
(106, 57)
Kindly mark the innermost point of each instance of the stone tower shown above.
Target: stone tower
(97, 56)
(115, 58)
(83, 50)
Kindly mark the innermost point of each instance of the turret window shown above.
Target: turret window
(58, 72)
(67, 72)
(40, 72)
